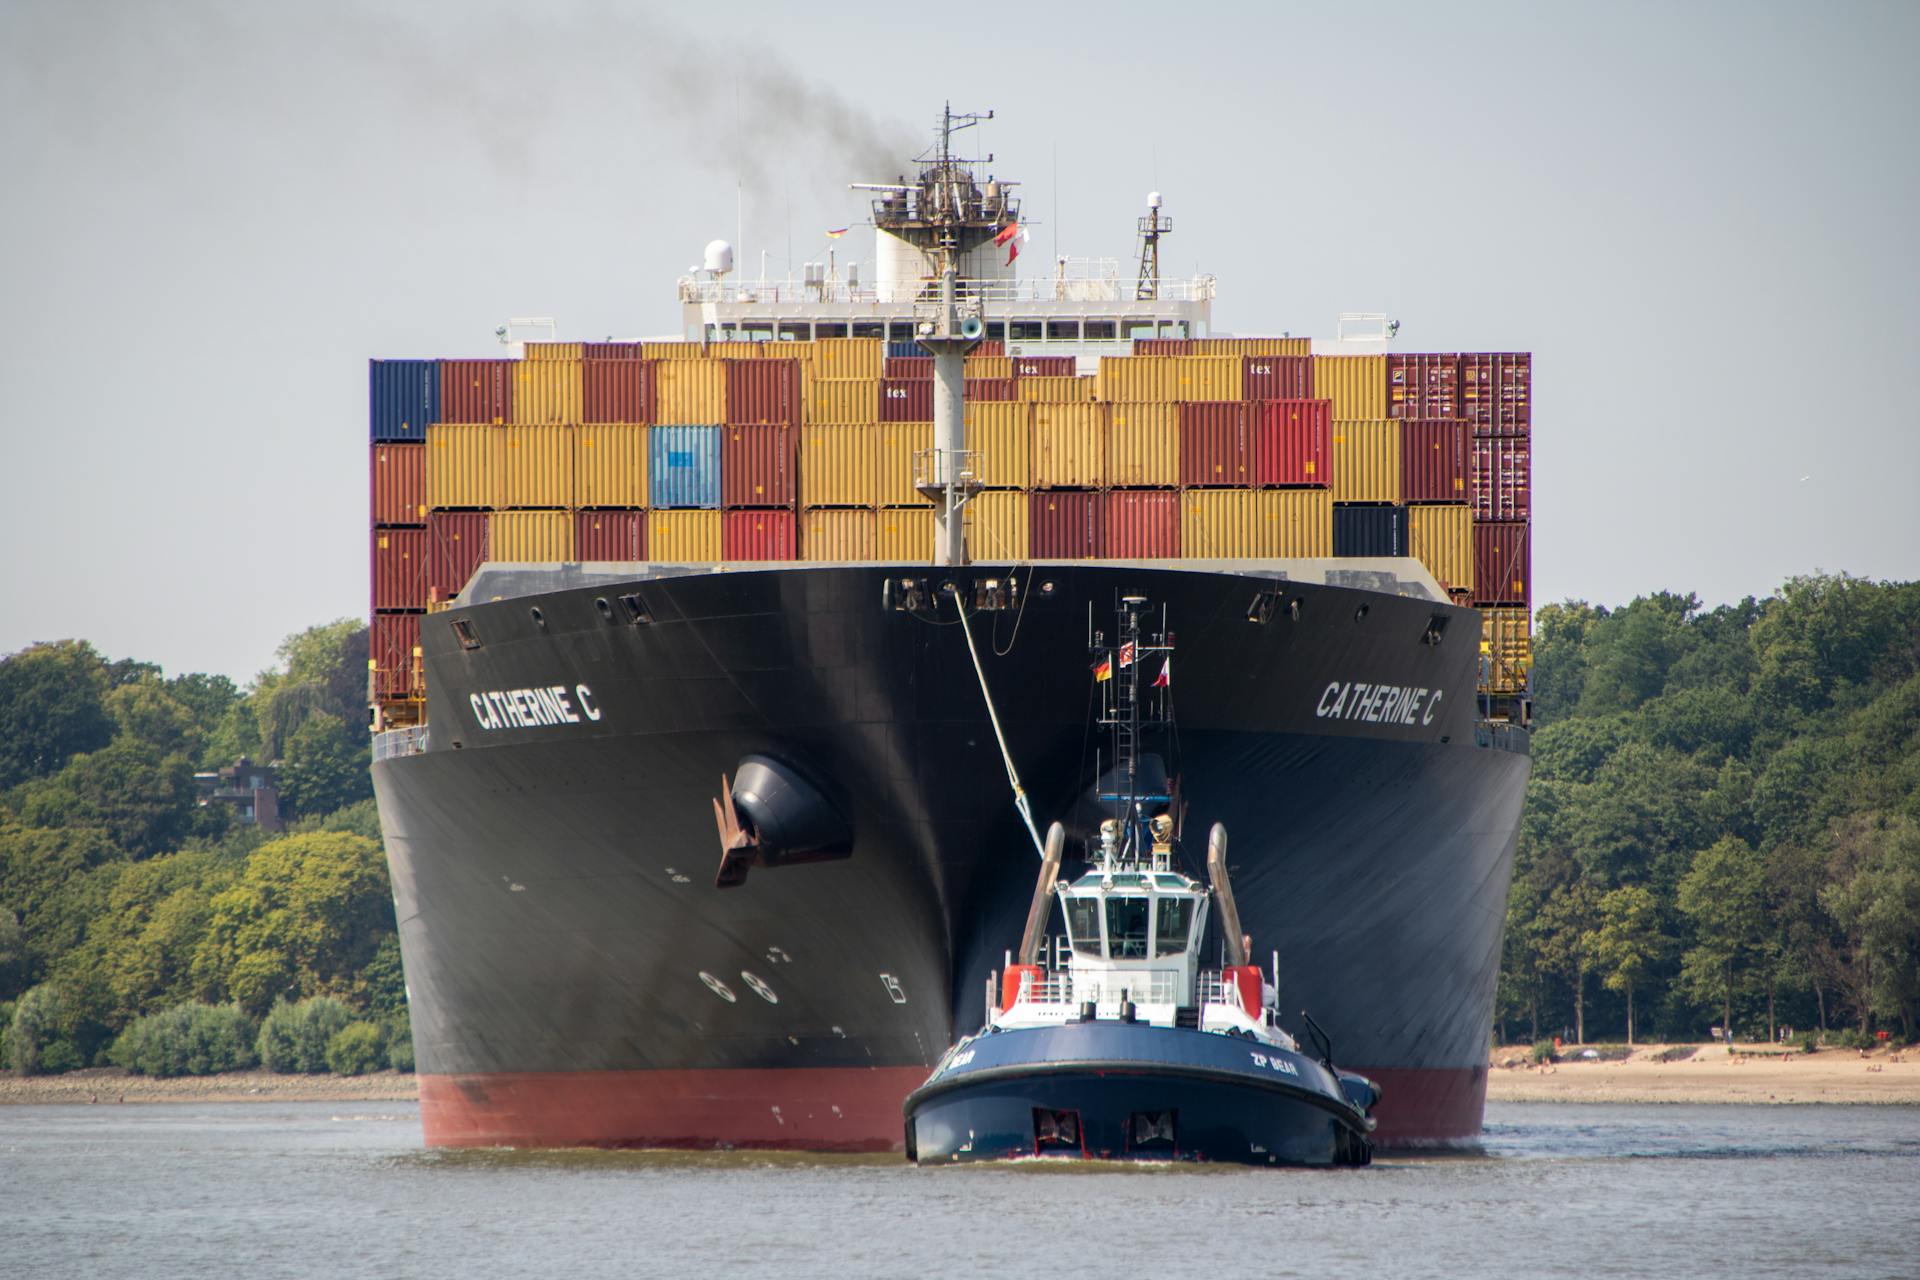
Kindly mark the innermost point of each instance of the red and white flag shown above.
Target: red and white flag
(1165, 679)
(1007, 233)
(1126, 654)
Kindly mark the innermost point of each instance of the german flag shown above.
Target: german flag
(1103, 669)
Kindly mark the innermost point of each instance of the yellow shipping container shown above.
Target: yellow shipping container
(1069, 446)
(690, 393)
(898, 442)
(1357, 385)
(672, 351)
(1506, 649)
(1441, 538)
(1138, 379)
(556, 350)
(1256, 524)
(736, 350)
(849, 357)
(546, 392)
(530, 535)
(536, 467)
(904, 533)
(848, 400)
(1143, 446)
(1251, 347)
(1366, 461)
(839, 466)
(610, 466)
(988, 367)
(997, 526)
(1056, 390)
(683, 537)
(1209, 378)
(999, 438)
(837, 535)
(463, 465)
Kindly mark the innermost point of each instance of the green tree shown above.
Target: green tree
(325, 674)
(1626, 943)
(325, 767)
(142, 799)
(1725, 895)
(1875, 897)
(1567, 919)
(51, 709)
(146, 711)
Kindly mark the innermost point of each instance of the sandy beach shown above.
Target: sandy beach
(111, 1085)
(1708, 1073)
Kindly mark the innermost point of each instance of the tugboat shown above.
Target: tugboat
(1134, 1051)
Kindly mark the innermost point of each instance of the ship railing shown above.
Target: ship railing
(1141, 986)
(994, 294)
(393, 743)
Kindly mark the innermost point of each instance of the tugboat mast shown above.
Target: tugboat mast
(1122, 712)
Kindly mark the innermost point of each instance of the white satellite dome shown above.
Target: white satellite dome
(718, 257)
(1153, 199)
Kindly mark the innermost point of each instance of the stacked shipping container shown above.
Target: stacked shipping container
(810, 451)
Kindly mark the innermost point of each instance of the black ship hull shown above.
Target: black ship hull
(576, 978)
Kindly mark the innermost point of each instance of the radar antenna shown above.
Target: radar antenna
(1152, 227)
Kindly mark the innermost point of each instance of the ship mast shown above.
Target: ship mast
(1152, 227)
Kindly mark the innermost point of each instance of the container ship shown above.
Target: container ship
(682, 652)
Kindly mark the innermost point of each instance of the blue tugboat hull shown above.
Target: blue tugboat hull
(1119, 1091)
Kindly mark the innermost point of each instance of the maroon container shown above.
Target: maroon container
(1214, 447)
(1496, 393)
(397, 486)
(613, 350)
(1503, 563)
(757, 465)
(1279, 377)
(906, 400)
(399, 568)
(1292, 443)
(1501, 485)
(1045, 367)
(1433, 461)
(1142, 524)
(456, 544)
(476, 390)
(758, 535)
(1423, 386)
(1163, 346)
(616, 391)
(1065, 524)
(763, 391)
(908, 367)
(989, 347)
(610, 535)
(993, 389)
(391, 640)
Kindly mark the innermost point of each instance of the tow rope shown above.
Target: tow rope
(993, 717)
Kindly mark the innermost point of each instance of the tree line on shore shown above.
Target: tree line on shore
(1723, 825)
(145, 927)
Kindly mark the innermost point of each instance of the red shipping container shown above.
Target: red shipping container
(989, 347)
(612, 350)
(399, 568)
(476, 390)
(610, 535)
(992, 389)
(1065, 524)
(758, 535)
(1142, 524)
(616, 391)
(1433, 461)
(1279, 377)
(757, 465)
(763, 391)
(456, 544)
(1503, 562)
(398, 484)
(1496, 393)
(1214, 448)
(1292, 443)
(1045, 367)
(906, 400)
(908, 367)
(1423, 386)
(391, 640)
(1501, 486)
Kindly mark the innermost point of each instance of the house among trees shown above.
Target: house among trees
(251, 790)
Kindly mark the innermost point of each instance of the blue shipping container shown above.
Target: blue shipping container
(683, 467)
(1362, 530)
(403, 398)
(905, 349)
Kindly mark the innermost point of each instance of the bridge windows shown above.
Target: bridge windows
(1099, 330)
(1127, 928)
(1083, 925)
(1025, 331)
(1173, 918)
(1063, 331)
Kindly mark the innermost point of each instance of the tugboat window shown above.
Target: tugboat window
(1174, 917)
(1127, 928)
(1083, 923)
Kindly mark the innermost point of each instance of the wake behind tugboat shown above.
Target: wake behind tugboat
(1134, 1051)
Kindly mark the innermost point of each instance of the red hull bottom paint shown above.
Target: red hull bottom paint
(808, 1108)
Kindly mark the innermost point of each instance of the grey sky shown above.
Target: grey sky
(1699, 218)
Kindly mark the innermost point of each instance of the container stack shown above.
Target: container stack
(1202, 448)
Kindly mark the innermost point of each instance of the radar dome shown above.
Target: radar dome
(1153, 199)
(719, 257)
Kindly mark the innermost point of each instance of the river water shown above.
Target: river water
(330, 1189)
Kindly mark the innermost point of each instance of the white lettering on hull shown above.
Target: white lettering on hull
(540, 708)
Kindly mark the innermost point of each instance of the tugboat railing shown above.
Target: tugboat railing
(1141, 986)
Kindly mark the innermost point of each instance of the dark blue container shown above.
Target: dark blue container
(1362, 530)
(683, 466)
(403, 398)
(905, 349)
